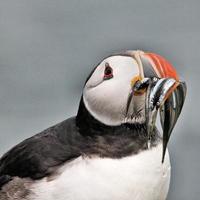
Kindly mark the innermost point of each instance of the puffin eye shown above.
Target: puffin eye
(108, 72)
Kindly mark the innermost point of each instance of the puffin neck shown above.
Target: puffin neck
(90, 126)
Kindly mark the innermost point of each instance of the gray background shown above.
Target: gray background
(47, 49)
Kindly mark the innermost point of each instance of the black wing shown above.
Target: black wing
(37, 156)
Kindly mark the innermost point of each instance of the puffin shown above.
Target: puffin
(112, 149)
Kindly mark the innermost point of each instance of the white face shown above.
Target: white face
(106, 98)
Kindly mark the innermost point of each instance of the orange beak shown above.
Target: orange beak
(164, 92)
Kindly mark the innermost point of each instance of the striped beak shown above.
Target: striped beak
(165, 93)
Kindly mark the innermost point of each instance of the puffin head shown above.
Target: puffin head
(131, 88)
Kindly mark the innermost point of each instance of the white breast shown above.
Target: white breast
(137, 177)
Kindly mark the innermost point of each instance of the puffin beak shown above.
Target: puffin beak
(168, 96)
(164, 92)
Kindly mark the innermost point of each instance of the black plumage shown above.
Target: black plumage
(83, 135)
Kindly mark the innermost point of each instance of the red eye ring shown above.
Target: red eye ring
(108, 72)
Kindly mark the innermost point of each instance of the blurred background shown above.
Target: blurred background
(47, 49)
